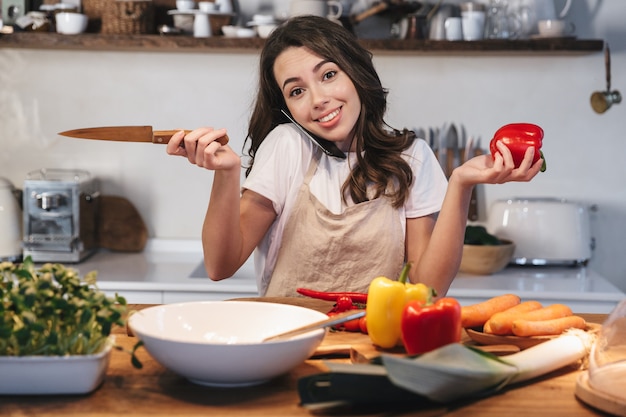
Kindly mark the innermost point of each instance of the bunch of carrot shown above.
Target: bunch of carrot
(507, 314)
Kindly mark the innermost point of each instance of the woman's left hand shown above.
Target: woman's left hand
(486, 169)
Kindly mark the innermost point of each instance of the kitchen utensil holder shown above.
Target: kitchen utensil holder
(128, 17)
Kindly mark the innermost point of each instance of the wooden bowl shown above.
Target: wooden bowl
(486, 259)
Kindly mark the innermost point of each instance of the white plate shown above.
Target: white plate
(45, 375)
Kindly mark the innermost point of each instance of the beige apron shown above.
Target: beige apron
(336, 252)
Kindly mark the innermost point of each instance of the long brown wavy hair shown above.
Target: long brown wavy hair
(379, 161)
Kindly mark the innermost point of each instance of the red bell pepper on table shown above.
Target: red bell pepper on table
(518, 137)
(426, 327)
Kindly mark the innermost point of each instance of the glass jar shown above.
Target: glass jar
(501, 24)
(607, 361)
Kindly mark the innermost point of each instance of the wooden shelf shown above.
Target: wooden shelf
(189, 44)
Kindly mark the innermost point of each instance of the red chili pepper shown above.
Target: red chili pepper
(363, 324)
(357, 297)
(352, 325)
(428, 327)
(518, 137)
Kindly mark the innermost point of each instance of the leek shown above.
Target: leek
(455, 371)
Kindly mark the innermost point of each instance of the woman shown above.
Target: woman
(323, 221)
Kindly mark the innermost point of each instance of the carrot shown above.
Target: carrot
(500, 323)
(476, 315)
(547, 327)
(553, 311)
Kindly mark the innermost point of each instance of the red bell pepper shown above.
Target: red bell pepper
(426, 327)
(518, 137)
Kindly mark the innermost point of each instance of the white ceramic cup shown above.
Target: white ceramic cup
(201, 26)
(224, 6)
(473, 23)
(330, 9)
(554, 28)
(71, 23)
(207, 6)
(184, 5)
(454, 28)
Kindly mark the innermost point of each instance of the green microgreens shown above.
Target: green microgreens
(50, 311)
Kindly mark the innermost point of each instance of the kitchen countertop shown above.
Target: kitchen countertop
(575, 286)
(156, 391)
(164, 265)
(176, 266)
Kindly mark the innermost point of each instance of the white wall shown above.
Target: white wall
(44, 92)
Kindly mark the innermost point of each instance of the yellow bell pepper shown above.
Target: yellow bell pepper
(385, 301)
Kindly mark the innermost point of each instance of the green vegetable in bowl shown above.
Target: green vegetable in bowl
(478, 235)
(50, 311)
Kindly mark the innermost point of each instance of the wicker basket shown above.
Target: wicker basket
(128, 17)
(94, 10)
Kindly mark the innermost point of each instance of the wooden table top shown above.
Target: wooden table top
(155, 391)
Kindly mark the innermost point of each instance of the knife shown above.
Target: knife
(128, 134)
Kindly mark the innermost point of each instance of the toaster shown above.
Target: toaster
(546, 231)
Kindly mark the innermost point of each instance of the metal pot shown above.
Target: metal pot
(10, 223)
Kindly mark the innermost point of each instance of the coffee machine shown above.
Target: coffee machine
(60, 211)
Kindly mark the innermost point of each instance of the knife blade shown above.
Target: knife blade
(128, 134)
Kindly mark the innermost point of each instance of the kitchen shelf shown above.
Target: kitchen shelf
(189, 44)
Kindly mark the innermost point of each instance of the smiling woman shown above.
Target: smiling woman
(325, 222)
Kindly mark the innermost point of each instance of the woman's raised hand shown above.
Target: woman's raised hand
(203, 147)
(485, 169)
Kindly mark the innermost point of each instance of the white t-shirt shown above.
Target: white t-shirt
(280, 166)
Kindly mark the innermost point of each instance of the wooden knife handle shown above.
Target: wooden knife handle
(164, 136)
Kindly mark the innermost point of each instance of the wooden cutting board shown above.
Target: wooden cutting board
(120, 226)
(355, 345)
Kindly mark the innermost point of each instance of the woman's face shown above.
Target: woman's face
(319, 95)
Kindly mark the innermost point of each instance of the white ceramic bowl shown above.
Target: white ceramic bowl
(246, 33)
(263, 19)
(229, 31)
(219, 343)
(71, 23)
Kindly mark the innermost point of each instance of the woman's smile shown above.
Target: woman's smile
(329, 116)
